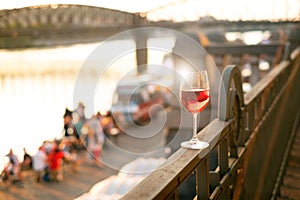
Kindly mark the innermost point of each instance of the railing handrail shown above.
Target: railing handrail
(175, 170)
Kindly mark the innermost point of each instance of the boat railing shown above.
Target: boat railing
(250, 137)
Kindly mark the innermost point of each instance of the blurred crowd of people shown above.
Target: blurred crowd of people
(53, 158)
(47, 163)
(89, 132)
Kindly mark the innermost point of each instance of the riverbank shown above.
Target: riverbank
(49, 40)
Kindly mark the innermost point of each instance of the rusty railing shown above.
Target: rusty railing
(250, 135)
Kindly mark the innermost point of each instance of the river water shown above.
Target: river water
(37, 84)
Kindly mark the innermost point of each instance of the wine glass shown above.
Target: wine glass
(194, 95)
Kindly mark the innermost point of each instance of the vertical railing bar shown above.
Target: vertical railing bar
(251, 117)
(246, 124)
(174, 195)
(255, 110)
(259, 114)
(263, 102)
(223, 157)
(202, 180)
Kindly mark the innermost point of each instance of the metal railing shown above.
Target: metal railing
(250, 135)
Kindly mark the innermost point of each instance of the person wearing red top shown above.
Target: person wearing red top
(55, 161)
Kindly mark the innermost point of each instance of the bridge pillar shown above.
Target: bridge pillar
(141, 52)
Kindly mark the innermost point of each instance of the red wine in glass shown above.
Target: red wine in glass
(195, 100)
(195, 96)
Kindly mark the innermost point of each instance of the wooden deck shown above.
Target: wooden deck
(73, 185)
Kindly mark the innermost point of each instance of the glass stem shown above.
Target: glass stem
(195, 127)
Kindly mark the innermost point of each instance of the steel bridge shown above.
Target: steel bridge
(64, 19)
(61, 24)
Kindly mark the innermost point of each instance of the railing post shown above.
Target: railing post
(231, 106)
(141, 52)
(202, 180)
(223, 157)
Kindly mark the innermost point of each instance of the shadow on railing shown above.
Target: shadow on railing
(250, 136)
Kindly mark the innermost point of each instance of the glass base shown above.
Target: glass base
(194, 144)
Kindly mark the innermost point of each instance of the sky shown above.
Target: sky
(187, 10)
